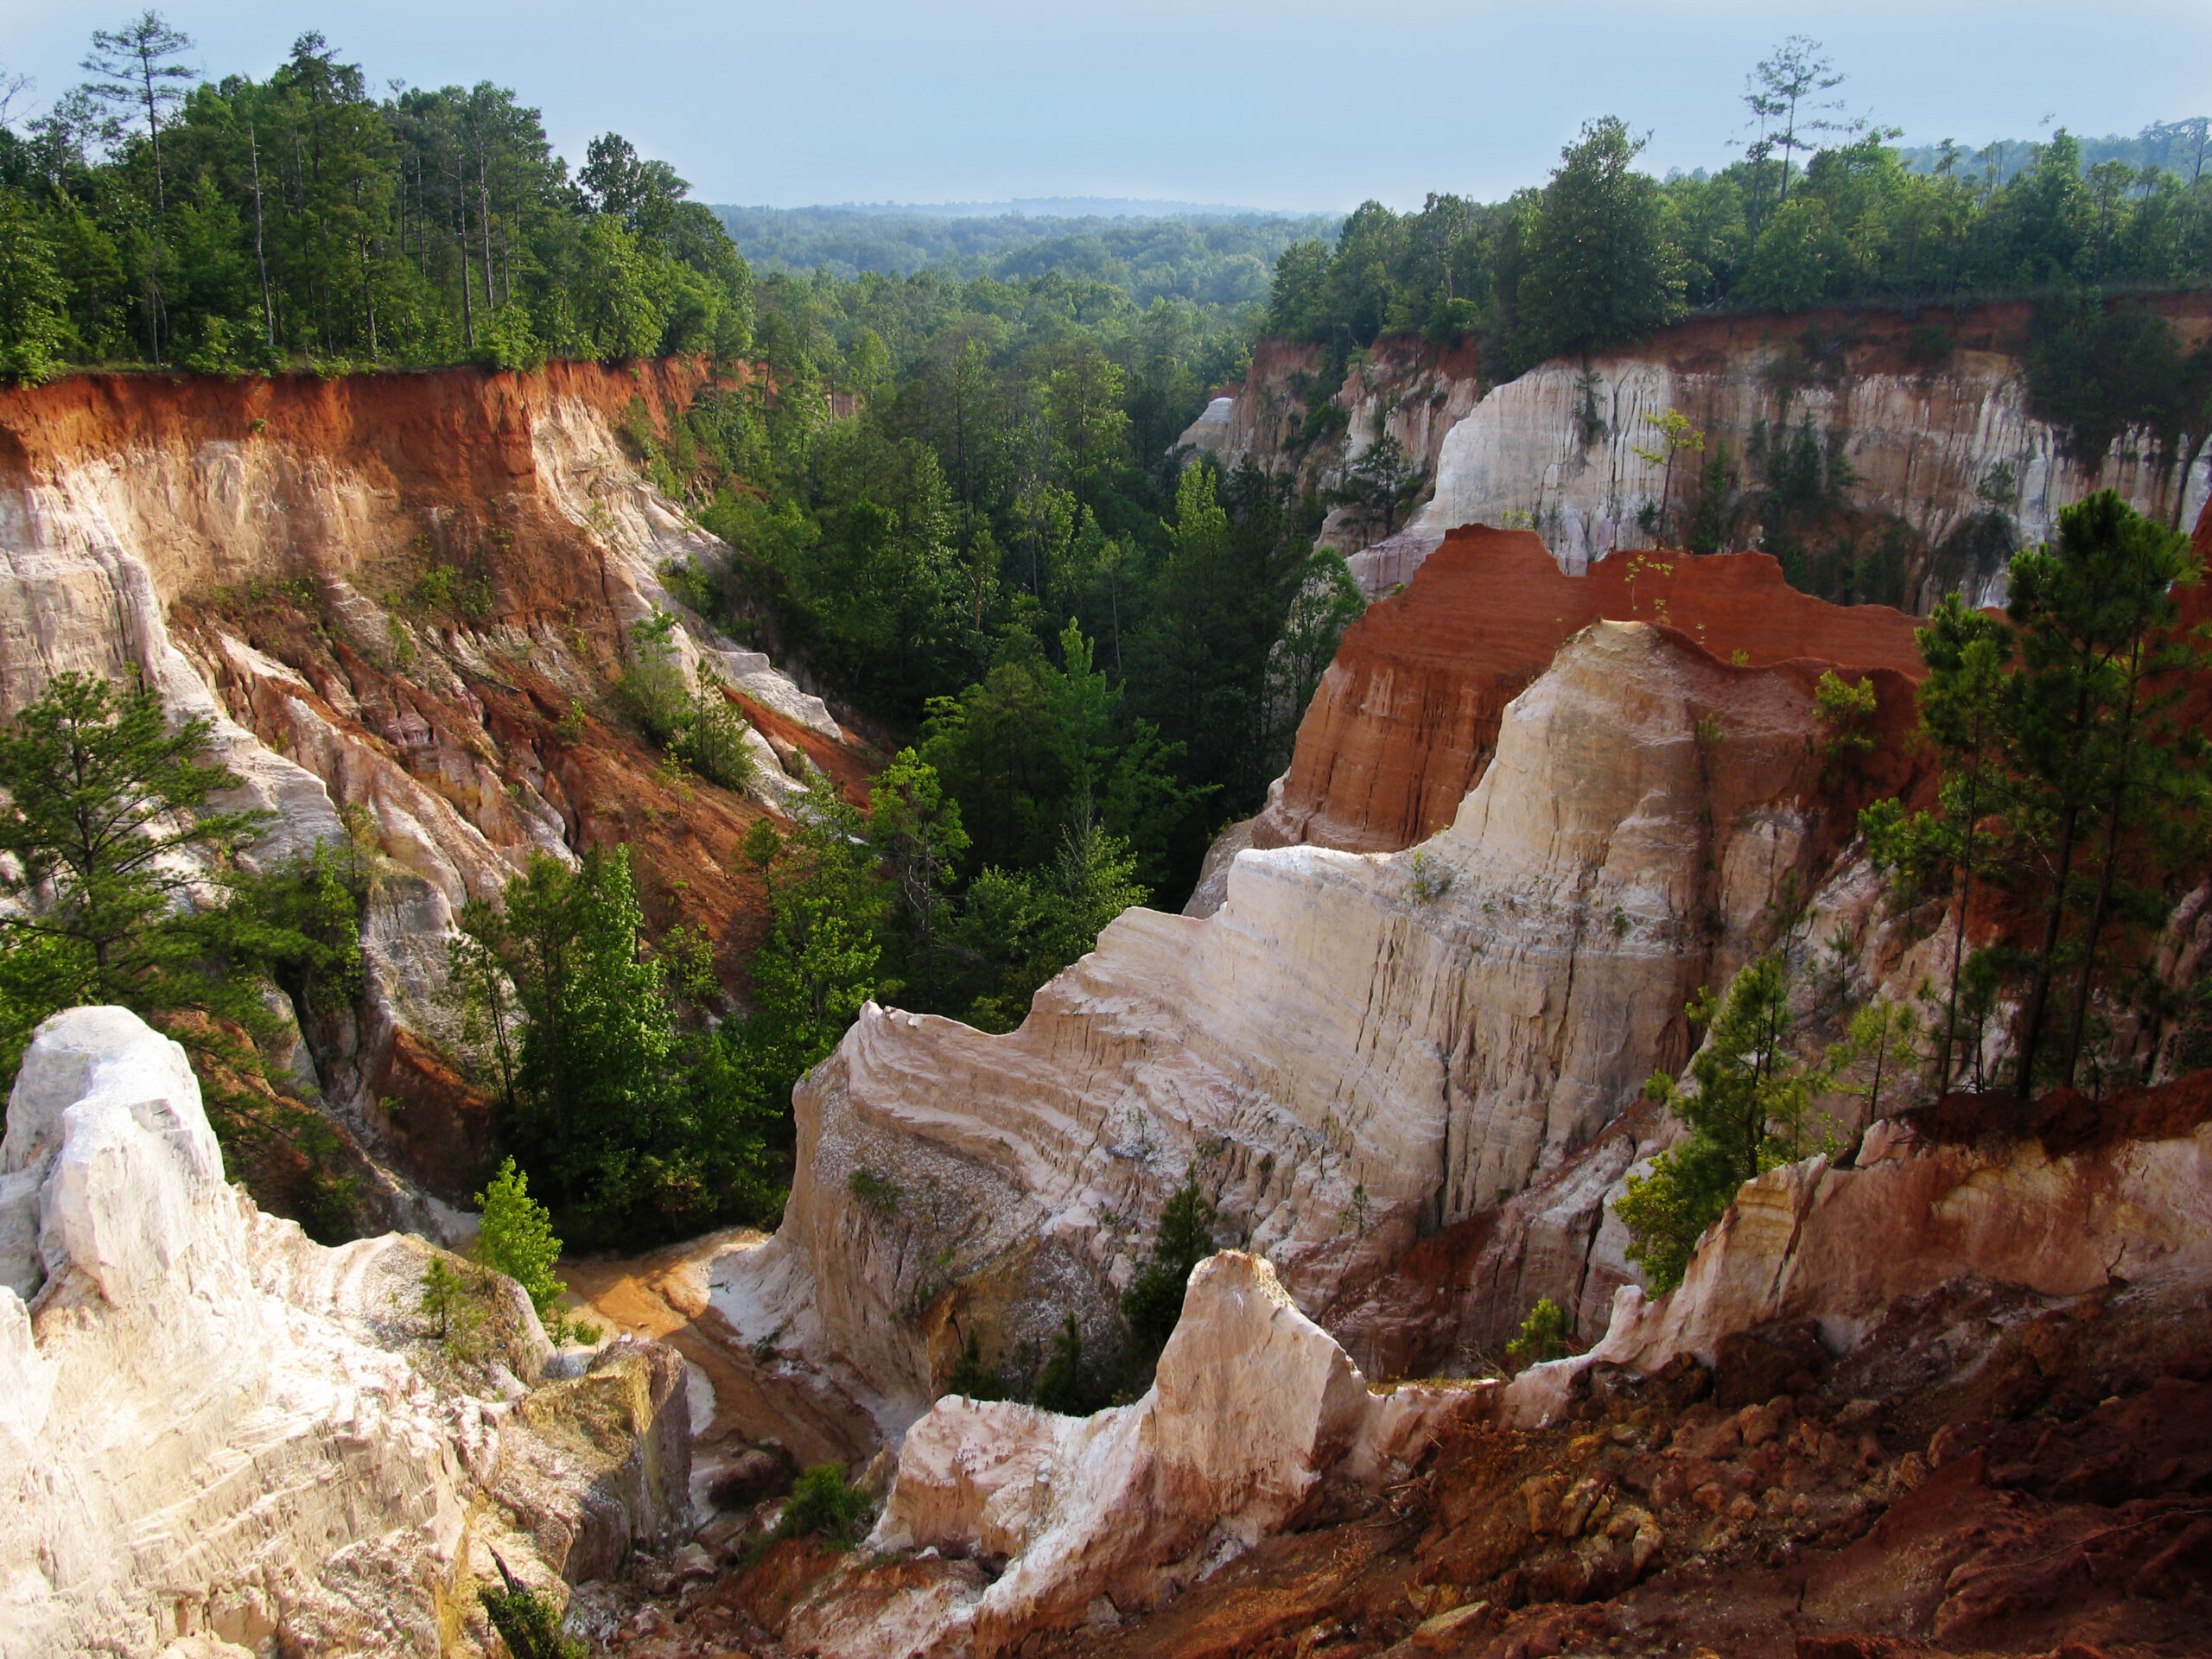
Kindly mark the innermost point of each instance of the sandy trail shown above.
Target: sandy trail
(664, 1295)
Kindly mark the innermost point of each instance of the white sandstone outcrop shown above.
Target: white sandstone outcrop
(1930, 448)
(1254, 1411)
(1355, 1049)
(212, 1427)
(1924, 448)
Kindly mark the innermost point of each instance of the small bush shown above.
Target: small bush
(516, 1237)
(822, 1505)
(453, 1304)
(1062, 1386)
(1848, 712)
(651, 688)
(712, 741)
(879, 1192)
(530, 1629)
(1543, 1336)
(973, 1379)
(1153, 1302)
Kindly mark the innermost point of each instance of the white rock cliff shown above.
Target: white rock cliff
(211, 1425)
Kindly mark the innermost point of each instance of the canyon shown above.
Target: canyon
(400, 601)
(1552, 785)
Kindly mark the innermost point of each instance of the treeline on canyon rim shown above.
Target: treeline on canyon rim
(224, 225)
(1819, 209)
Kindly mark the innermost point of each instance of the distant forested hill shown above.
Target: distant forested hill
(1211, 257)
(2181, 147)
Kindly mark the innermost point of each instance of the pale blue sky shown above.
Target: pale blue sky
(1285, 103)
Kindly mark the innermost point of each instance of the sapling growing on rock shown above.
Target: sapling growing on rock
(516, 1237)
(1545, 1334)
(1748, 1111)
(1153, 1302)
(823, 1505)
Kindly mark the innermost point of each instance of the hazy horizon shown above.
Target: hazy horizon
(1298, 106)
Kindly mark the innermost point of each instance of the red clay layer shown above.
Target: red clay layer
(1408, 714)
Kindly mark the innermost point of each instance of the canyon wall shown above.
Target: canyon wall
(1356, 1049)
(1928, 438)
(401, 600)
(2010, 1250)
(213, 1427)
(1408, 713)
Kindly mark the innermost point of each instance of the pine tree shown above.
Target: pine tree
(1747, 1113)
(515, 1237)
(1601, 270)
(2088, 748)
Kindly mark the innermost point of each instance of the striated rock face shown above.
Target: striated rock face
(1406, 390)
(405, 597)
(1921, 444)
(1795, 1245)
(1841, 1247)
(212, 1427)
(1354, 1049)
(1924, 442)
(1408, 714)
(1254, 1408)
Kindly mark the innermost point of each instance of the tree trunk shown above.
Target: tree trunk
(260, 258)
(2114, 806)
(2039, 992)
(484, 228)
(468, 309)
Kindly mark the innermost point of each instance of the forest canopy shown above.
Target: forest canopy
(1819, 209)
(149, 215)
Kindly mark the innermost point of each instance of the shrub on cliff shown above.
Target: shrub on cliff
(823, 1506)
(130, 892)
(1749, 1109)
(1153, 1302)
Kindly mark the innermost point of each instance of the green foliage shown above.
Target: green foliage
(1968, 656)
(711, 740)
(453, 1300)
(34, 331)
(1818, 211)
(916, 826)
(827, 901)
(516, 1237)
(233, 227)
(1847, 712)
(2096, 372)
(1600, 269)
(634, 1125)
(971, 1378)
(129, 894)
(529, 1626)
(823, 1506)
(652, 687)
(1153, 1302)
(2101, 794)
(1880, 1055)
(1747, 1113)
(877, 1192)
(1544, 1335)
(1063, 1386)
